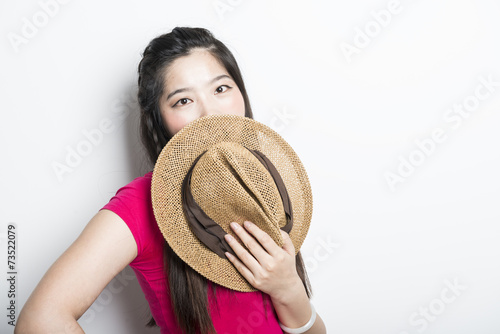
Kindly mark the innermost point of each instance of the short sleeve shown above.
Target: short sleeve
(132, 203)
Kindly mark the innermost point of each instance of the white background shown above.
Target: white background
(378, 256)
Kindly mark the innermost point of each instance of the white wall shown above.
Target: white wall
(381, 257)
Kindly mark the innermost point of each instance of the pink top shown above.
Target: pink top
(244, 312)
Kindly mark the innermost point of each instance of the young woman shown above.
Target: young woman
(184, 75)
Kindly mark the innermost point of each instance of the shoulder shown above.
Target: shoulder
(132, 203)
(140, 186)
(134, 195)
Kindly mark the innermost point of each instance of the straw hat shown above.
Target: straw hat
(221, 169)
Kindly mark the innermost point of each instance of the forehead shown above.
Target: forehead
(199, 67)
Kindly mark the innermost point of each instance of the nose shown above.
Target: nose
(207, 108)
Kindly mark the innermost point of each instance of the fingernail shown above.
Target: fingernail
(228, 255)
(248, 224)
(235, 226)
(228, 237)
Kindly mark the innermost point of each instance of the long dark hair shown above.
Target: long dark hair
(188, 289)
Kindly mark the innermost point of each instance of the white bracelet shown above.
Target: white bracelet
(304, 328)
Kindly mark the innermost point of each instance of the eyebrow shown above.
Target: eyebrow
(180, 90)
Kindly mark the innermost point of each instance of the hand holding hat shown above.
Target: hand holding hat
(269, 268)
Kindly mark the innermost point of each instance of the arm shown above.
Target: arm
(70, 286)
(272, 270)
(295, 310)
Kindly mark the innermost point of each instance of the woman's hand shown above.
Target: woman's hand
(269, 268)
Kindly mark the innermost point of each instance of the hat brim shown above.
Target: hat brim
(174, 162)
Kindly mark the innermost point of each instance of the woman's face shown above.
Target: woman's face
(195, 86)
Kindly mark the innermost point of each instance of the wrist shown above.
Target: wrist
(304, 328)
(294, 310)
(294, 292)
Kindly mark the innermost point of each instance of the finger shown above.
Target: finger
(243, 270)
(287, 243)
(263, 238)
(243, 255)
(250, 243)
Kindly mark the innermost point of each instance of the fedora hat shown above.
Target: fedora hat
(220, 169)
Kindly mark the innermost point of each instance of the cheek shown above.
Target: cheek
(173, 123)
(238, 105)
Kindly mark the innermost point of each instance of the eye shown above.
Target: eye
(221, 89)
(181, 102)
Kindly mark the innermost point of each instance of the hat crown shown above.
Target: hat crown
(230, 184)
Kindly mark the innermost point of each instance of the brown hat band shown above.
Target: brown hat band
(208, 231)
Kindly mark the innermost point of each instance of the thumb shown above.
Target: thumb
(287, 243)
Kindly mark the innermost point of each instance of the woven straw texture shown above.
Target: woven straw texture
(229, 184)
